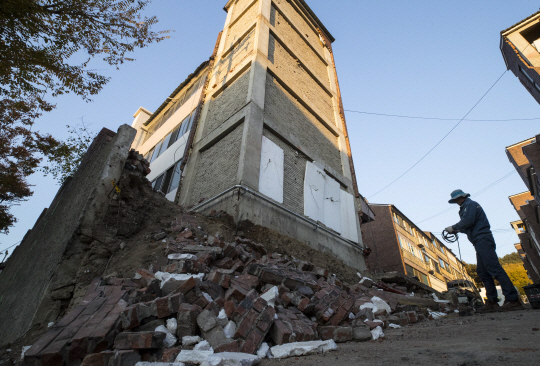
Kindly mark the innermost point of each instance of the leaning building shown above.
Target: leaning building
(259, 131)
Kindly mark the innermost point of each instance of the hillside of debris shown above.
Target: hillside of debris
(156, 283)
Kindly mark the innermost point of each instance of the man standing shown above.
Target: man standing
(475, 224)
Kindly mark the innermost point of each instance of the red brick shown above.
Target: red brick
(253, 341)
(266, 319)
(411, 316)
(186, 286)
(162, 307)
(246, 324)
(303, 304)
(175, 301)
(54, 354)
(170, 354)
(229, 347)
(97, 359)
(280, 332)
(230, 308)
(260, 304)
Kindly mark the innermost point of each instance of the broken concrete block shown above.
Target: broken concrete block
(381, 304)
(337, 333)
(263, 350)
(196, 357)
(302, 348)
(179, 257)
(172, 325)
(271, 296)
(230, 329)
(190, 340)
(232, 359)
(187, 320)
(211, 330)
(361, 334)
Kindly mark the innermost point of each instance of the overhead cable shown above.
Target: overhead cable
(443, 119)
(441, 140)
(491, 185)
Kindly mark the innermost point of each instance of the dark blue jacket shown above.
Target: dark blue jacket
(473, 222)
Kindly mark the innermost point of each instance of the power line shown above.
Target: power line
(11, 246)
(442, 119)
(445, 136)
(474, 195)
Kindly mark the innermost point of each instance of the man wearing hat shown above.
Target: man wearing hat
(475, 224)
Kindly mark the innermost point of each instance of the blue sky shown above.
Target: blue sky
(414, 58)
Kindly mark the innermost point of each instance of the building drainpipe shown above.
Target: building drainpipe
(189, 145)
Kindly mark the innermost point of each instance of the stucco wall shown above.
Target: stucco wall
(77, 205)
(294, 169)
(240, 26)
(299, 80)
(292, 118)
(227, 103)
(292, 39)
(217, 167)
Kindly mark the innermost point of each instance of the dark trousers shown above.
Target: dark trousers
(488, 267)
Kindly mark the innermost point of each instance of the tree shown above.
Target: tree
(45, 50)
(510, 258)
(66, 157)
(517, 275)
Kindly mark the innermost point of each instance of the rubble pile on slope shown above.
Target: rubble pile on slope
(209, 297)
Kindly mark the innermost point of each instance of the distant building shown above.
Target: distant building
(520, 47)
(399, 245)
(259, 131)
(525, 156)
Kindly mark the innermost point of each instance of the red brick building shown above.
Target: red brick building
(400, 245)
(525, 156)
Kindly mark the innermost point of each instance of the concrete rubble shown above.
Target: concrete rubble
(211, 302)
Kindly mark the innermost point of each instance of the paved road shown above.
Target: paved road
(479, 340)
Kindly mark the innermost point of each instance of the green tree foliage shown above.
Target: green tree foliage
(66, 158)
(45, 50)
(518, 275)
(510, 258)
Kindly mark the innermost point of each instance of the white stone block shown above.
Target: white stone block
(172, 325)
(203, 346)
(230, 329)
(302, 348)
(381, 304)
(232, 359)
(196, 357)
(377, 333)
(190, 340)
(179, 257)
(271, 296)
(170, 340)
(263, 350)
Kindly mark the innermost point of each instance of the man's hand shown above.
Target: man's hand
(450, 230)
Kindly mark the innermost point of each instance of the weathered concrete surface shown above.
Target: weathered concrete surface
(79, 202)
(241, 25)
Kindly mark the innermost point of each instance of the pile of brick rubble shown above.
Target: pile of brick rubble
(215, 303)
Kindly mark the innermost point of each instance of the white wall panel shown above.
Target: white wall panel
(349, 229)
(271, 172)
(314, 192)
(332, 198)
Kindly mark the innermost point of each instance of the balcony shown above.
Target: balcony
(414, 259)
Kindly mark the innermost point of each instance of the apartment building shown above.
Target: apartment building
(259, 131)
(527, 230)
(399, 245)
(520, 48)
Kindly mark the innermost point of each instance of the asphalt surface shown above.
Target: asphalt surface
(511, 338)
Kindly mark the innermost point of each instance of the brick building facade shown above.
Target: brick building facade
(520, 46)
(526, 204)
(399, 245)
(263, 131)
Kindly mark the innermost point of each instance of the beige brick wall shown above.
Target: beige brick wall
(292, 118)
(298, 79)
(227, 103)
(300, 22)
(217, 167)
(239, 8)
(294, 169)
(228, 63)
(240, 26)
(293, 41)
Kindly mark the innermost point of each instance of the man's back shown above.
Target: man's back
(474, 221)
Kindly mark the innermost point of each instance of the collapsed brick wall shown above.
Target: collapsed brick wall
(80, 200)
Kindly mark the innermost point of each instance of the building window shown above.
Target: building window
(442, 250)
(441, 263)
(436, 265)
(401, 244)
(177, 173)
(157, 183)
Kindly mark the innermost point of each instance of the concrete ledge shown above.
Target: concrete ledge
(248, 207)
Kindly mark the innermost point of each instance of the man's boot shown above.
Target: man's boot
(511, 305)
(489, 307)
